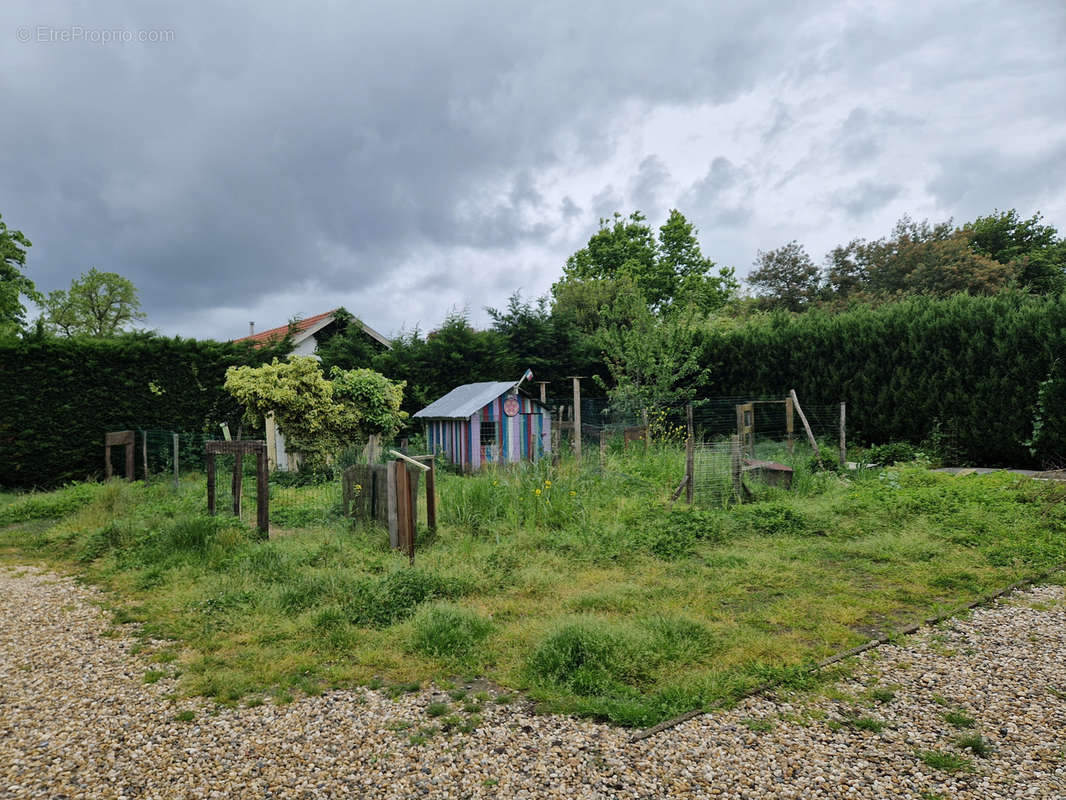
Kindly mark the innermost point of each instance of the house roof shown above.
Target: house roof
(463, 401)
(304, 328)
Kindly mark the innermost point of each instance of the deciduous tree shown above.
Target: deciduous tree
(98, 304)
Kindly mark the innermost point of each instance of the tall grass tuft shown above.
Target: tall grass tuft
(448, 633)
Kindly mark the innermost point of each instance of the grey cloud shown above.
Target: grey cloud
(865, 197)
(712, 197)
(647, 185)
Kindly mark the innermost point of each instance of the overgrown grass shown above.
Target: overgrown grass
(579, 585)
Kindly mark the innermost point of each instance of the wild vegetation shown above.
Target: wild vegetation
(580, 586)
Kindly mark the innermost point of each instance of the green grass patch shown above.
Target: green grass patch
(946, 762)
(958, 719)
(581, 587)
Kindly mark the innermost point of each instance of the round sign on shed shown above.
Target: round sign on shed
(510, 405)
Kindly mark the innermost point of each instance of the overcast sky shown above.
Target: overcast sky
(261, 160)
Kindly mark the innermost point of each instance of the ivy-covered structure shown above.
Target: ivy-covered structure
(492, 422)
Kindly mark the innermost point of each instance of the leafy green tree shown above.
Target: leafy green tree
(786, 277)
(13, 282)
(670, 272)
(652, 360)
(317, 414)
(1035, 249)
(98, 304)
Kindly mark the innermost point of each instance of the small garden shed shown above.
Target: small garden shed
(487, 423)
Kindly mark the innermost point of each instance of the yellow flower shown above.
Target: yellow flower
(536, 492)
(573, 494)
(547, 483)
(358, 487)
(495, 483)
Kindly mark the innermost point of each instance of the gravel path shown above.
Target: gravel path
(78, 720)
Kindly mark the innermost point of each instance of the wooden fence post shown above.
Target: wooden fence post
(806, 425)
(131, 470)
(403, 506)
(108, 471)
(144, 453)
(262, 492)
(210, 467)
(843, 439)
(391, 494)
(603, 446)
(690, 454)
(431, 493)
(237, 481)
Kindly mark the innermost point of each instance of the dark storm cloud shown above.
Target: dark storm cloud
(215, 167)
(408, 155)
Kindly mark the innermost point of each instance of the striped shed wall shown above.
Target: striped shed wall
(509, 426)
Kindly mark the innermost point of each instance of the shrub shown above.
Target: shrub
(892, 453)
(447, 632)
(590, 657)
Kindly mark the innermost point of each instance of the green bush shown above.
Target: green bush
(892, 453)
(447, 632)
(395, 596)
(51, 505)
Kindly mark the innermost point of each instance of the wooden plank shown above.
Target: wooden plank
(806, 425)
(107, 459)
(144, 452)
(262, 490)
(238, 479)
(390, 494)
(408, 459)
(412, 480)
(431, 493)
(210, 467)
(131, 470)
(690, 453)
(403, 507)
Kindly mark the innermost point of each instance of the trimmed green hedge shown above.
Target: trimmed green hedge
(59, 396)
(968, 369)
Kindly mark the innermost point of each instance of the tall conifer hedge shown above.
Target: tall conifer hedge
(59, 396)
(972, 365)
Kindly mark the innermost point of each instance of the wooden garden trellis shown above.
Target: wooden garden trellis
(119, 439)
(238, 450)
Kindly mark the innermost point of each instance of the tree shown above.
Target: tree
(13, 282)
(98, 304)
(318, 415)
(652, 360)
(1035, 250)
(670, 272)
(345, 344)
(786, 277)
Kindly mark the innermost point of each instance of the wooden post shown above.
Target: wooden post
(272, 440)
(177, 472)
(690, 453)
(262, 492)
(412, 482)
(577, 417)
(108, 471)
(603, 446)
(738, 481)
(131, 471)
(431, 497)
(238, 479)
(144, 453)
(843, 439)
(390, 491)
(788, 425)
(647, 435)
(543, 391)
(403, 506)
(210, 483)
(806, 425)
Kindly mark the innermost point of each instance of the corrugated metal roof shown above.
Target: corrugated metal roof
(462, 401)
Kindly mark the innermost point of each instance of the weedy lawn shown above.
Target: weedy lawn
(580, 586)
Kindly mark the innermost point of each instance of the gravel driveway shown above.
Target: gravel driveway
(78, 720)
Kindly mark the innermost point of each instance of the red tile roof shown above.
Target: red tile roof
(264, 337)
